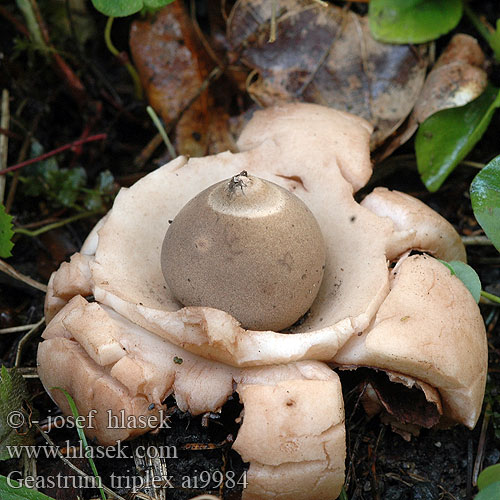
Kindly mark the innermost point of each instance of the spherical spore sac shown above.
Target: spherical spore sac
(248, 247)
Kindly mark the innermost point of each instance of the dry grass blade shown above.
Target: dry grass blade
(16, 329)
(25, 339)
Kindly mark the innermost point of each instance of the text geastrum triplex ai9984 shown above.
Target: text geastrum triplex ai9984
(415, 320)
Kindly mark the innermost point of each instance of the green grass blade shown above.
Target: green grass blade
(81, 435)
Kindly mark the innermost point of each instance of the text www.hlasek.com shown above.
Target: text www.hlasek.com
(71, 451)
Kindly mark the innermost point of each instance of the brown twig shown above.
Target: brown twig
(213, 76)
(201, 36)
(97, 137)
(10, 134)
(478, 464)
(4, 140)
(15, 22)
(74, 83)
(25, 339)
(148, 150)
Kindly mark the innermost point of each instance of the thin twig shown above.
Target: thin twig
(54, 225)
(25, 339)
(17, 329)
(10, 134)
(8, 269)
(473, 164)
(481, 445)
(17, 24)
(214, 75)
(97, 137)
(148, 150)
(38, 29)
(4, 140)
(201, 35)
(74, 467)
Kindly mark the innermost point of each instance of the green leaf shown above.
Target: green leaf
(446, 137)
(118, 8)
(156, 4)
(65, 185)
(6, 233)
(467, 275)
(14, 491)
(488, 476)
(413, 21)
(491, 492)
(485, 198)
(15, 427)
(121, 8)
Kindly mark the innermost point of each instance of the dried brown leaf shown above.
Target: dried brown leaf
(456, 79)
(173, 66)
(327, 55)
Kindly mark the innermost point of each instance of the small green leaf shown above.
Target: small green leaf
(413, 21)
(14, 419)
(6, 233)
(12, 490)
(446, 137)
(488, 476)
(485, 198)
(121, 8)
(118, 8)
(65, 185)
(491, 492)
(467, 275)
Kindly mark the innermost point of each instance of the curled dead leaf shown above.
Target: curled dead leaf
(173, 66)
(456, 79)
